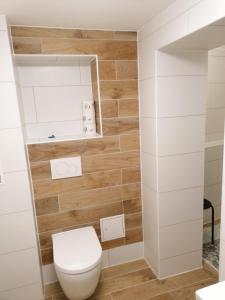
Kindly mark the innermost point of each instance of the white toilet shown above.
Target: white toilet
(77, 258)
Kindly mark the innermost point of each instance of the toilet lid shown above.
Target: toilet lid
(76, 251)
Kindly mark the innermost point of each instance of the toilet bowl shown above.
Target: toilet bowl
(77, 258)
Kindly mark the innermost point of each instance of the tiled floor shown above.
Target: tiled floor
(135, 281)
(211, 253)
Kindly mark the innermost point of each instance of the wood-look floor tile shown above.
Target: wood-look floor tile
(117, 283)
(52, 289)
(124, 268)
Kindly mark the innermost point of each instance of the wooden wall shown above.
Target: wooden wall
(110, 183)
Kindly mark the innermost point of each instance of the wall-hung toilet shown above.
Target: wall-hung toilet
(77, 258)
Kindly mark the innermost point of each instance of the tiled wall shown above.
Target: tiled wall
(19, 261)
(110, 183)
(52, 99)
(172, 100)
(214, 130)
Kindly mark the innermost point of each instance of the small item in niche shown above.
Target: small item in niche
(51, 136)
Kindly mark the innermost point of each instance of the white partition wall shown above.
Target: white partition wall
(19, 260)
(173, 87)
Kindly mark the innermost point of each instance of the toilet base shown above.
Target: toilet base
(79, 286)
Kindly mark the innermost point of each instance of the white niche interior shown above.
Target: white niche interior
(53, 89)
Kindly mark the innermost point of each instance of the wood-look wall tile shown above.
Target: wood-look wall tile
(27, 45)
(113, 243)
(126, 70)
(109, 108)
(107, 70)
(42, 152)
(45, 238)
(128, 108)
(131, 175)
(41, 170)
(127, 89)
(44, 32)
(129, 142)
(132, 206)
(84, 199)
(47, 188)
(76, 217)
(47, 205)
(131, 191)
(47, 256)
(125, 35)
(106, 50)
(110, 161)
(134, 235)
(118, 126)
(133, 221)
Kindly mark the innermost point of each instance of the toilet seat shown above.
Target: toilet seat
(76, 251)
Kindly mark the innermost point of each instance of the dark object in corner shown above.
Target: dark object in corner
(207, 204)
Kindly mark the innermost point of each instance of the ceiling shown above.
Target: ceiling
(87, 14)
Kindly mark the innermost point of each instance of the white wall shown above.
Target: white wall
(19, 260)
(52, 97)
(173, 96)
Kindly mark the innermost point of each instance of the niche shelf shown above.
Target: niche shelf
(53, 90)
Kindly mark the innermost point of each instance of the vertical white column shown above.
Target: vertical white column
(181, 102)
(19, 261)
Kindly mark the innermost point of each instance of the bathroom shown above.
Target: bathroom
(124, 190)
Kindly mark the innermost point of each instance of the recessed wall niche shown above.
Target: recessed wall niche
(59, 97)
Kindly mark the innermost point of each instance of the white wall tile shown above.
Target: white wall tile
(20, 228)
(182, 63)
(180, 171)
(34, 76)
(49, 274)
(180, 135)
(9, 113)
(214, 193)
(180, 206)
(19, 269)
(147, 58)
(222, 261)
(3, 22)
(59, 129)
(180, 264)
(215, 120)
(213, 11)
(147, 98)
(105, 259)
(15, 193)
(214, 153)
(28, 105)
(216, 69)
(216, 95)
(12, 152)
(60, 103)
(33, 292)
(125, 253)
(181, 96)
(170, 235)
(148, 135)
(150, 227)
(213, 172)
(6, 70)
(85, 74)
(149, 175)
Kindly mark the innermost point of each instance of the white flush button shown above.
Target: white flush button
(112, 228)
(66, 167)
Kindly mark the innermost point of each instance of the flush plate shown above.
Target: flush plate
(66, 167)
(112, 228)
